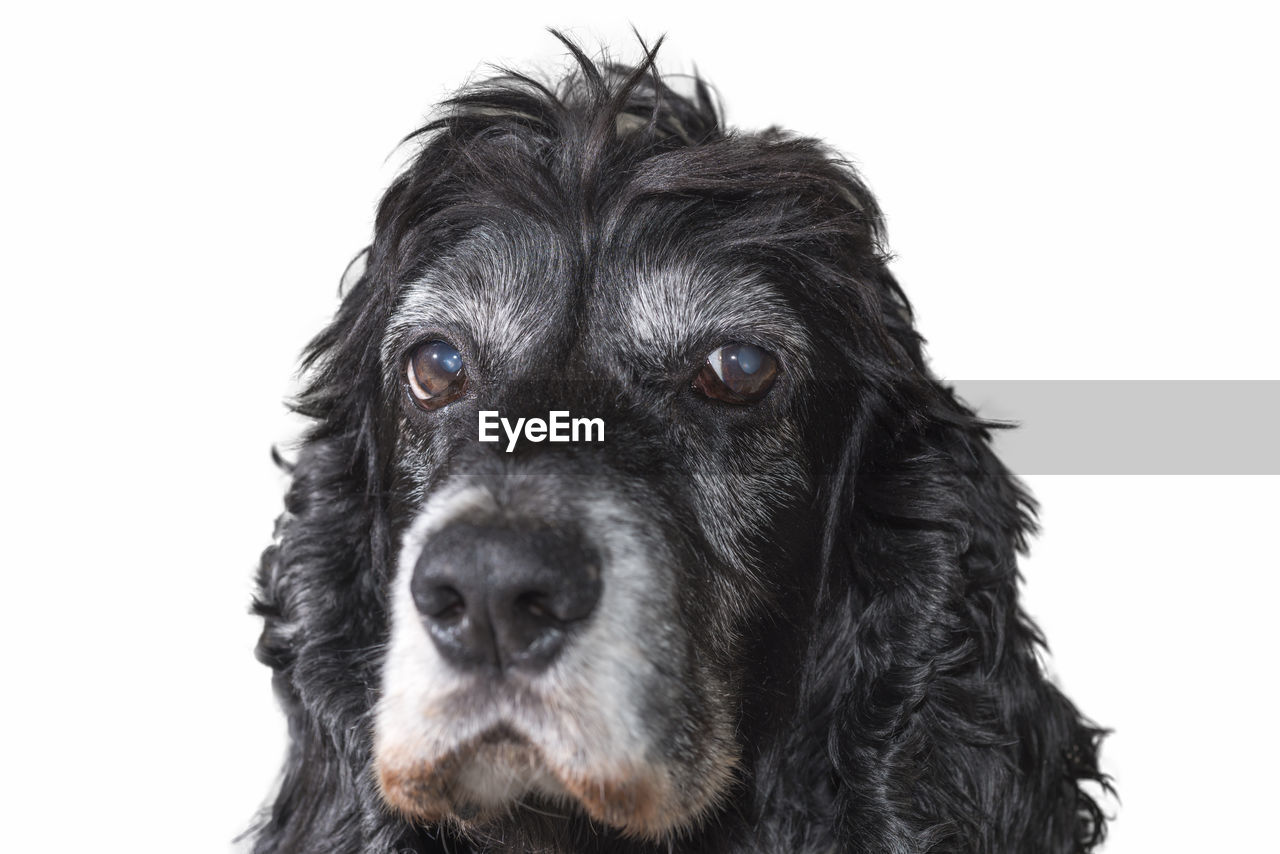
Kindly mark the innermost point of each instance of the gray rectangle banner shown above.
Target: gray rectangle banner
(1132, 426)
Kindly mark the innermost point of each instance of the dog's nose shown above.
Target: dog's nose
(504, 598)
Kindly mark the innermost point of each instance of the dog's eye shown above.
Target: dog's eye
(436, 374)
(737, 373)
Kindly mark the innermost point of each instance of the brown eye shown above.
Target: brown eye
(737, 373)
(436, 374)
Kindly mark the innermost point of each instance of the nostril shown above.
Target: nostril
(454, 609)
(441, 603)
(540, 607)
(536, 606)
(557, 608)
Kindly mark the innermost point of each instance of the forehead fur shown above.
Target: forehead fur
(505, 293)
(498, 288)
(672, 307)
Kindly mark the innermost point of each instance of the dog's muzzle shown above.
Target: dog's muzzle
(535, 655)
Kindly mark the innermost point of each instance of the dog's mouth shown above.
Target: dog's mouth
(485, 775)
(502, 769)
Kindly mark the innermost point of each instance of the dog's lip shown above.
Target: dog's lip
(485, 774)
(473, 778)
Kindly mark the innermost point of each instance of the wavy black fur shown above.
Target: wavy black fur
(924, 720)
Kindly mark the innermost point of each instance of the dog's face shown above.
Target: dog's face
(568, 619)
(630, 509)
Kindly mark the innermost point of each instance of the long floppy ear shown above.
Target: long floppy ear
(323, 586)
(323, 601)
(945, 734)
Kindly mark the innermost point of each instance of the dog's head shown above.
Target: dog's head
(569, 618)
(655, 597)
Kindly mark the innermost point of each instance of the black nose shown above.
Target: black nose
(501, 597)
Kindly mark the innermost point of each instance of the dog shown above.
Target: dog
(770, 605)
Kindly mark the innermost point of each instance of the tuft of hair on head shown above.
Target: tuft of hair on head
(599, 102)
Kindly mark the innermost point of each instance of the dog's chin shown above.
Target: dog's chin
(494, 775)
(476, 781)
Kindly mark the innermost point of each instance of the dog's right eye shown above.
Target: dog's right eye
(436, 374)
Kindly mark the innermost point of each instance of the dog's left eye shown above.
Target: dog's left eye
(436, 374)
(737, 373)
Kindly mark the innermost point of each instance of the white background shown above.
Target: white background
(1073, 194)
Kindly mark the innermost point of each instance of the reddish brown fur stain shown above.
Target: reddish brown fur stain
(417, 790)
(634, 806)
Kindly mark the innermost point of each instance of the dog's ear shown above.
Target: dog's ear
(944, 730)
(322, 594)
(323, 586)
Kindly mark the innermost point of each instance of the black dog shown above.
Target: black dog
(767, 601)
